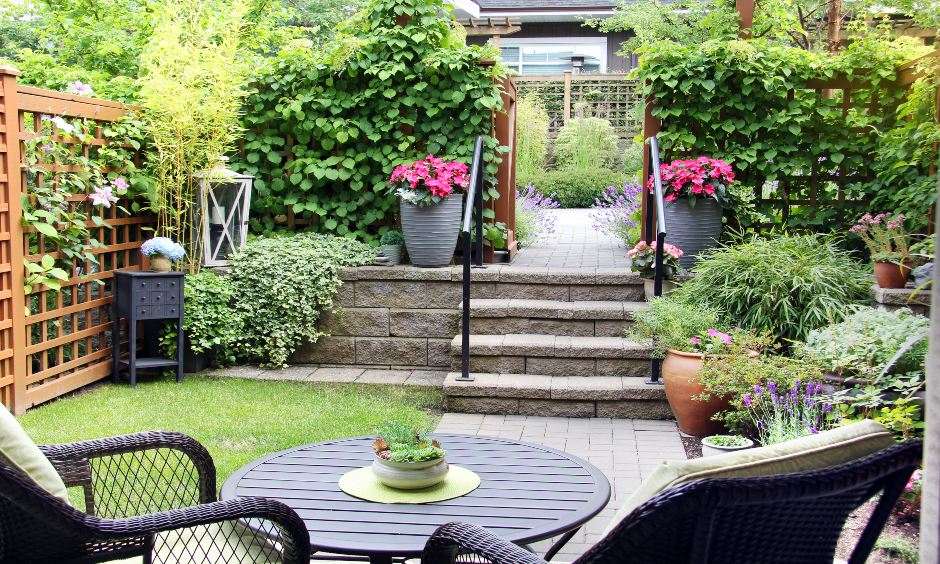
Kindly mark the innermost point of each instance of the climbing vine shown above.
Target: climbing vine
(326, 128)
(71, 176)
(752, 103)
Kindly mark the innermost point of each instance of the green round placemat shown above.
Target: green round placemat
(363, 484)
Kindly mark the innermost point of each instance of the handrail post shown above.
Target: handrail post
(655, 202)
(478, 209)
(473, 210)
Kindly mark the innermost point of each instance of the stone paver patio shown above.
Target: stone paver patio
(626, 450)
(576, 244)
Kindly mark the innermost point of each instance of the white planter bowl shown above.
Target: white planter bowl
(410, 475)
(714, 450)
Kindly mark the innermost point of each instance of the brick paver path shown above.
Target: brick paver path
(576, 244)
(626, 450)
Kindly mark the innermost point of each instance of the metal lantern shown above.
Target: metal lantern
(224, 197)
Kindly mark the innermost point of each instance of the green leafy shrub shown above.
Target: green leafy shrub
(786, 285)
(326, 128)
(531, 134)
(211, 321)
(747, 103)
(587, 143)
(282, 285)
(573, 188)
(633, 158)
(392, 238)
(672, 323)
(863, 344)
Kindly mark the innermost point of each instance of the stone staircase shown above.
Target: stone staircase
(550, 342)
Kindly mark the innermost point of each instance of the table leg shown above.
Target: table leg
(560, 544)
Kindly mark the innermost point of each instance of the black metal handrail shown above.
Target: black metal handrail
(473, 208)
(655, 199)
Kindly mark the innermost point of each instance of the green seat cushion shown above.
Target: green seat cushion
(218, 542)
(18, 451)
(829, 448)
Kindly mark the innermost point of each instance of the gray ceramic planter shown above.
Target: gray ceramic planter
(410, 475)
(393, 253)
(431, 231)
(693, 229)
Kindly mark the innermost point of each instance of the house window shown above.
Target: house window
(553, 56)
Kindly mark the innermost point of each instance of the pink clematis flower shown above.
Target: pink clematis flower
(102, 196)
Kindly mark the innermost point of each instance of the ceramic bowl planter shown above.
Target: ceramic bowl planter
(893, 275)
(693, 229)
(431, 231)
(410, 475)
(160, 263)
(721, 444)
(680, 373)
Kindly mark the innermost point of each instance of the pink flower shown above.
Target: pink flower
(695, 341)
(725, 338)
(120, 184)
(79, 88)
(102, 196)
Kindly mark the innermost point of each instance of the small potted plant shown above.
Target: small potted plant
(391, 246)
(162, 252)
(406, 459)
(886, 238)
(695, 192)
(643, 261)
(431, 205)
(720, 444)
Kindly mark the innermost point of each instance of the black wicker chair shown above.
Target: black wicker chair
(792, 518)
(151, 495)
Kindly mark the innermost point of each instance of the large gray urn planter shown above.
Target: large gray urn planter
(431, 231)
(693, 229)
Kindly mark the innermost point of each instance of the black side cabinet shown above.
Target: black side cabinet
(150, 298)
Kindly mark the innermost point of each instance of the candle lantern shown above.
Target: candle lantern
(224, 197)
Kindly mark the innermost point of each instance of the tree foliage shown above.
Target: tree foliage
(326, 127)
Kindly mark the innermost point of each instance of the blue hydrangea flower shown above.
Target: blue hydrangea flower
(162, 246)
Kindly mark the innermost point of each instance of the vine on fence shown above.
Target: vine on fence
(750, 103)
(325, 129)
(68, 170)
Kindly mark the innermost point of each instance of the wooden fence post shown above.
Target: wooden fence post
(567, 100)
(745, 10)
(12, 298)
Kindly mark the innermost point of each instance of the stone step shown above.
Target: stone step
(554, 355)
(562, 396)
(572, 319)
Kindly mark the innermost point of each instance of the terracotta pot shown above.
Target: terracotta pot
(160, 263)
(680, 378)
(891, 275)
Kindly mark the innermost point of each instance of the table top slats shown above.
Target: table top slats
(527, 493)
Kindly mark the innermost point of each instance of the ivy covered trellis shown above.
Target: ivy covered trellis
(325, 129)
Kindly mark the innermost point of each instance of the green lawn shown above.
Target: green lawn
(237, 420)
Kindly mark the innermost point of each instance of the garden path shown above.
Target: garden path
(575, 244)
(626, 450)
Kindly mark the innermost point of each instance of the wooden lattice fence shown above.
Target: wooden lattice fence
(64, 342)
(609, 96)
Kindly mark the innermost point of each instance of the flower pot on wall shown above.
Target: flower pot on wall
(892, 275)
(681, 382)
(392, 253)
(693, 229)
(431, 231)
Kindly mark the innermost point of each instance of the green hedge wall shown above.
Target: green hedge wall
(325, 128)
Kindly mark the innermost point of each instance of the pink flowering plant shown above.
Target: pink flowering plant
(695, 179)
(428, 181)
(885, 236)
(711, 341)
(643, 260)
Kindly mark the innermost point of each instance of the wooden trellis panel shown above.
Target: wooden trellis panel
(608, 96)
(65, 341)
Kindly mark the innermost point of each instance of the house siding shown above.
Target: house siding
(536, 30)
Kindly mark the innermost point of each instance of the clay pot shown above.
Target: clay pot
(892, 275)
(160, 263)
(680, 378)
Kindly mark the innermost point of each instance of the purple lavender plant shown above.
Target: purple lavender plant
(534, 218)
(800, 411)
(617, 212)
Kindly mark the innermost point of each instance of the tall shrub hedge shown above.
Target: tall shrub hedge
(326, 127)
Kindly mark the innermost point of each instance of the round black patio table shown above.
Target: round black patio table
(527, 493)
